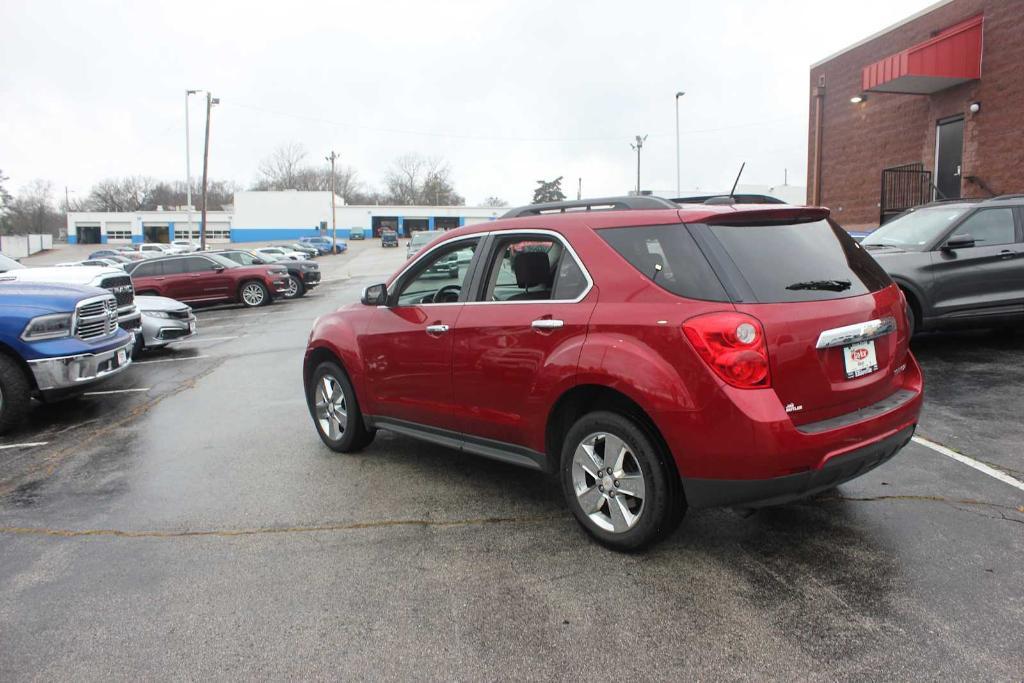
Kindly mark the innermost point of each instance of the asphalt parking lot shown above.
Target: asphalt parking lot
(193, 525)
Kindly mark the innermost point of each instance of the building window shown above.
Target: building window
(125, 235)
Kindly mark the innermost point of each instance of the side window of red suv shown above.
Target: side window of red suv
(533, 268)
(440, 276)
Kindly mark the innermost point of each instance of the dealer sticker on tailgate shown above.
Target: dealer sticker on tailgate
(860, 359)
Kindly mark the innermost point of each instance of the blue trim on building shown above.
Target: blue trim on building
(103, 239)
(72, 239)
(401, 226)
(138, 239)
(462, 221)
(170, 231)
(274, 234)
(430, 223)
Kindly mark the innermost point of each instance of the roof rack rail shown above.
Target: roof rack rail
(631, 203)
(1001, 197)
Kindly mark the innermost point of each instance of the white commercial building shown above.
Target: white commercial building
(269, 217)
(133, 227)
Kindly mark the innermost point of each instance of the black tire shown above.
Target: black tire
(913, 323)
(296, 290)
(15, 395)
(662, 504)
(355, 436)
(253, 301)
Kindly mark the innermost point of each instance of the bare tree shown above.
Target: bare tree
(130, 193)
(33, 210)
(414, 179)
(495, 202)
(283, 169)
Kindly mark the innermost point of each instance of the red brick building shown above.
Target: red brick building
(938, 99)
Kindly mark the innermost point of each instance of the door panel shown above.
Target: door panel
(407, 349)
(408, 369)
(521, 339)
(504, 368)
(949, 158)
(989, 275)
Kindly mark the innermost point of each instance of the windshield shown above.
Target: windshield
(421, 238)
(222, 260)
(916, 229)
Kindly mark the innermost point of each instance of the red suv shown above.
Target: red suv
(208, 278)
(654, 356)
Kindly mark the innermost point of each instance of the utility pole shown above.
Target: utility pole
(334, 222)
(67, 201)
(678, 95)
(210, 101)
(638, 146)
(188, 166)
(579, 189)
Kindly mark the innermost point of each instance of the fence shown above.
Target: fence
(20, 246)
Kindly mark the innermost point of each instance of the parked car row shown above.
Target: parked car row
(64, 329)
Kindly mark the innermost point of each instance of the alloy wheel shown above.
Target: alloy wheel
(253, 294)
(293, 288)
(331, 408)
(608, 482)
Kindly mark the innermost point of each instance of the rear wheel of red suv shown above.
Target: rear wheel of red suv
(335, 409)
(618, 483)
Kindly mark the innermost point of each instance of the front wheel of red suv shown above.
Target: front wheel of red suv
(335, 410)
(617, 482)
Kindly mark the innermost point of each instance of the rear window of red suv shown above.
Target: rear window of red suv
(790, 262)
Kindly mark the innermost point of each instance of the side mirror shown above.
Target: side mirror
(375, 295)
(218, 269)
(259, 262)
(958, 242)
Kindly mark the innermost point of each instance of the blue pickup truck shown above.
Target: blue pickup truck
(55, 340)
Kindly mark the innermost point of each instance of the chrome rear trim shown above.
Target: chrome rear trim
(861, 332)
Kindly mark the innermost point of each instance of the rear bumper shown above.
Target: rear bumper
(702, 493)
(67, 372)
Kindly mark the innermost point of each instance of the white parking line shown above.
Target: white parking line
(24, 445)
(113, 391)
(970, 462)
(168, 360)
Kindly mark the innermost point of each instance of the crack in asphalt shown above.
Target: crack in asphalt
(227, 533)
(952, 502)
(49, 463)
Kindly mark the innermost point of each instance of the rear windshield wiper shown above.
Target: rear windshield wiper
(825, 285)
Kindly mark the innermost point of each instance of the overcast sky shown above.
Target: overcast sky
(507, 92)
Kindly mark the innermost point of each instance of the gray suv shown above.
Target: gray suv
(959, 263)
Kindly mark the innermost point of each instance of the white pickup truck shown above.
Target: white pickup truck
(114, 280)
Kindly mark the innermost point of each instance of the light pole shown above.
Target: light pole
(334, 223)
(638, 146)
(210, 101)
(188, 165)
(678, 95)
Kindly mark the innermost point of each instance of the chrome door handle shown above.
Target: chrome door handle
(546, 324)
(437, 329)
(1006, 254)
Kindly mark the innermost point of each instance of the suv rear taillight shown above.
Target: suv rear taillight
(733, 345)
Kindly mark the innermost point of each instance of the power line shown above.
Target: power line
(498, 138)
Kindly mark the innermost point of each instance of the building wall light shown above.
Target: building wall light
(857, 99)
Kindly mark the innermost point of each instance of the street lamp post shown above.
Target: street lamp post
(638, 146)
(188, 165)
(210, 101)
(678, 95)
(334, 222)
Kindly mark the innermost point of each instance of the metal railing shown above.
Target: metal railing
(903, 187)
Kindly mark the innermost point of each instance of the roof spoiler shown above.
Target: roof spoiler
(766, 216)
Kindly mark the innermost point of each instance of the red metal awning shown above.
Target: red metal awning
(950, 58)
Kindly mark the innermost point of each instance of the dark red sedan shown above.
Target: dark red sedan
(208, 278)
